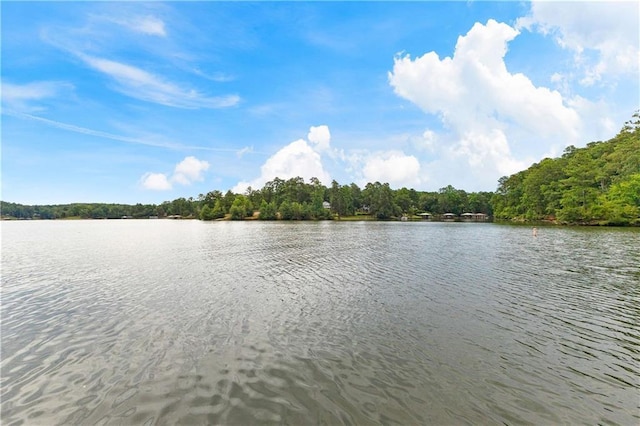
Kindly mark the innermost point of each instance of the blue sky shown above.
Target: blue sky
(147, 102)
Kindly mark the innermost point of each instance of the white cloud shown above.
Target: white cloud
(484, 106)
(608, 29)
(155, 182)
(140, 84)
(488, 151)
(320, 137)
(246, 150)
(22, 96)
(149, 25)
(186, 172)
(393, 167)
(475, 85)
(218, 77)
(295, 159)
(190, 170)
(428, 140)
(95, 44)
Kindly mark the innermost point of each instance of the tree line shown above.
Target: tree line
(295, 199)
(291, 199)
(597, 184)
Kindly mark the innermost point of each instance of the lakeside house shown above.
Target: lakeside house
(448, 216)
(425, 216)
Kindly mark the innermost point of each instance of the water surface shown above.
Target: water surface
(185, 322)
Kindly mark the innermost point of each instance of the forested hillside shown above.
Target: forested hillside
(598, 184)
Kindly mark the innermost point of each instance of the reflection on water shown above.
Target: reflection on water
(167, 322)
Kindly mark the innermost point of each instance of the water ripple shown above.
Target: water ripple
(183, 322)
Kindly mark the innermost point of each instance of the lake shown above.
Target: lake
(186, 322)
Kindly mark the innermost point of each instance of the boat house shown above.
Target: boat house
(476, 217)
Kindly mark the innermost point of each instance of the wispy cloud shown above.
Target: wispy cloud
(22, 96)
(112, 136)
(149, 25)
(245, 150)
(140, 84)
(96, 44)
(143, 18)
(218, 77)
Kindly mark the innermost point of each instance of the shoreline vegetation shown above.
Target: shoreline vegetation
(595, 185)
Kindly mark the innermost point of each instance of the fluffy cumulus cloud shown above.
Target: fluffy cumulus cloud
(603, 37)
(393, 167)
(475, 86)
(488, 150)
(481, 102)
(299, 158)
(295, 159)
(155, 182)
(304, 158)
(185, 172)
(190, 170)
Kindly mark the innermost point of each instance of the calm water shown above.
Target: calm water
(185, 322)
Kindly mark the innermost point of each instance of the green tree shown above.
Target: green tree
(254, 196)
(238, 210)
(286, 212)
(206, 213)
(540, 193)
(273, 191)
(402, 197)
(336, 198)
(347, 201)
(379, 198)
(506, 200)
(451, 200)
(227, 200)
(621, 205)
(218, 210)
(317, 209)
(267, 211)
(356, 197)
